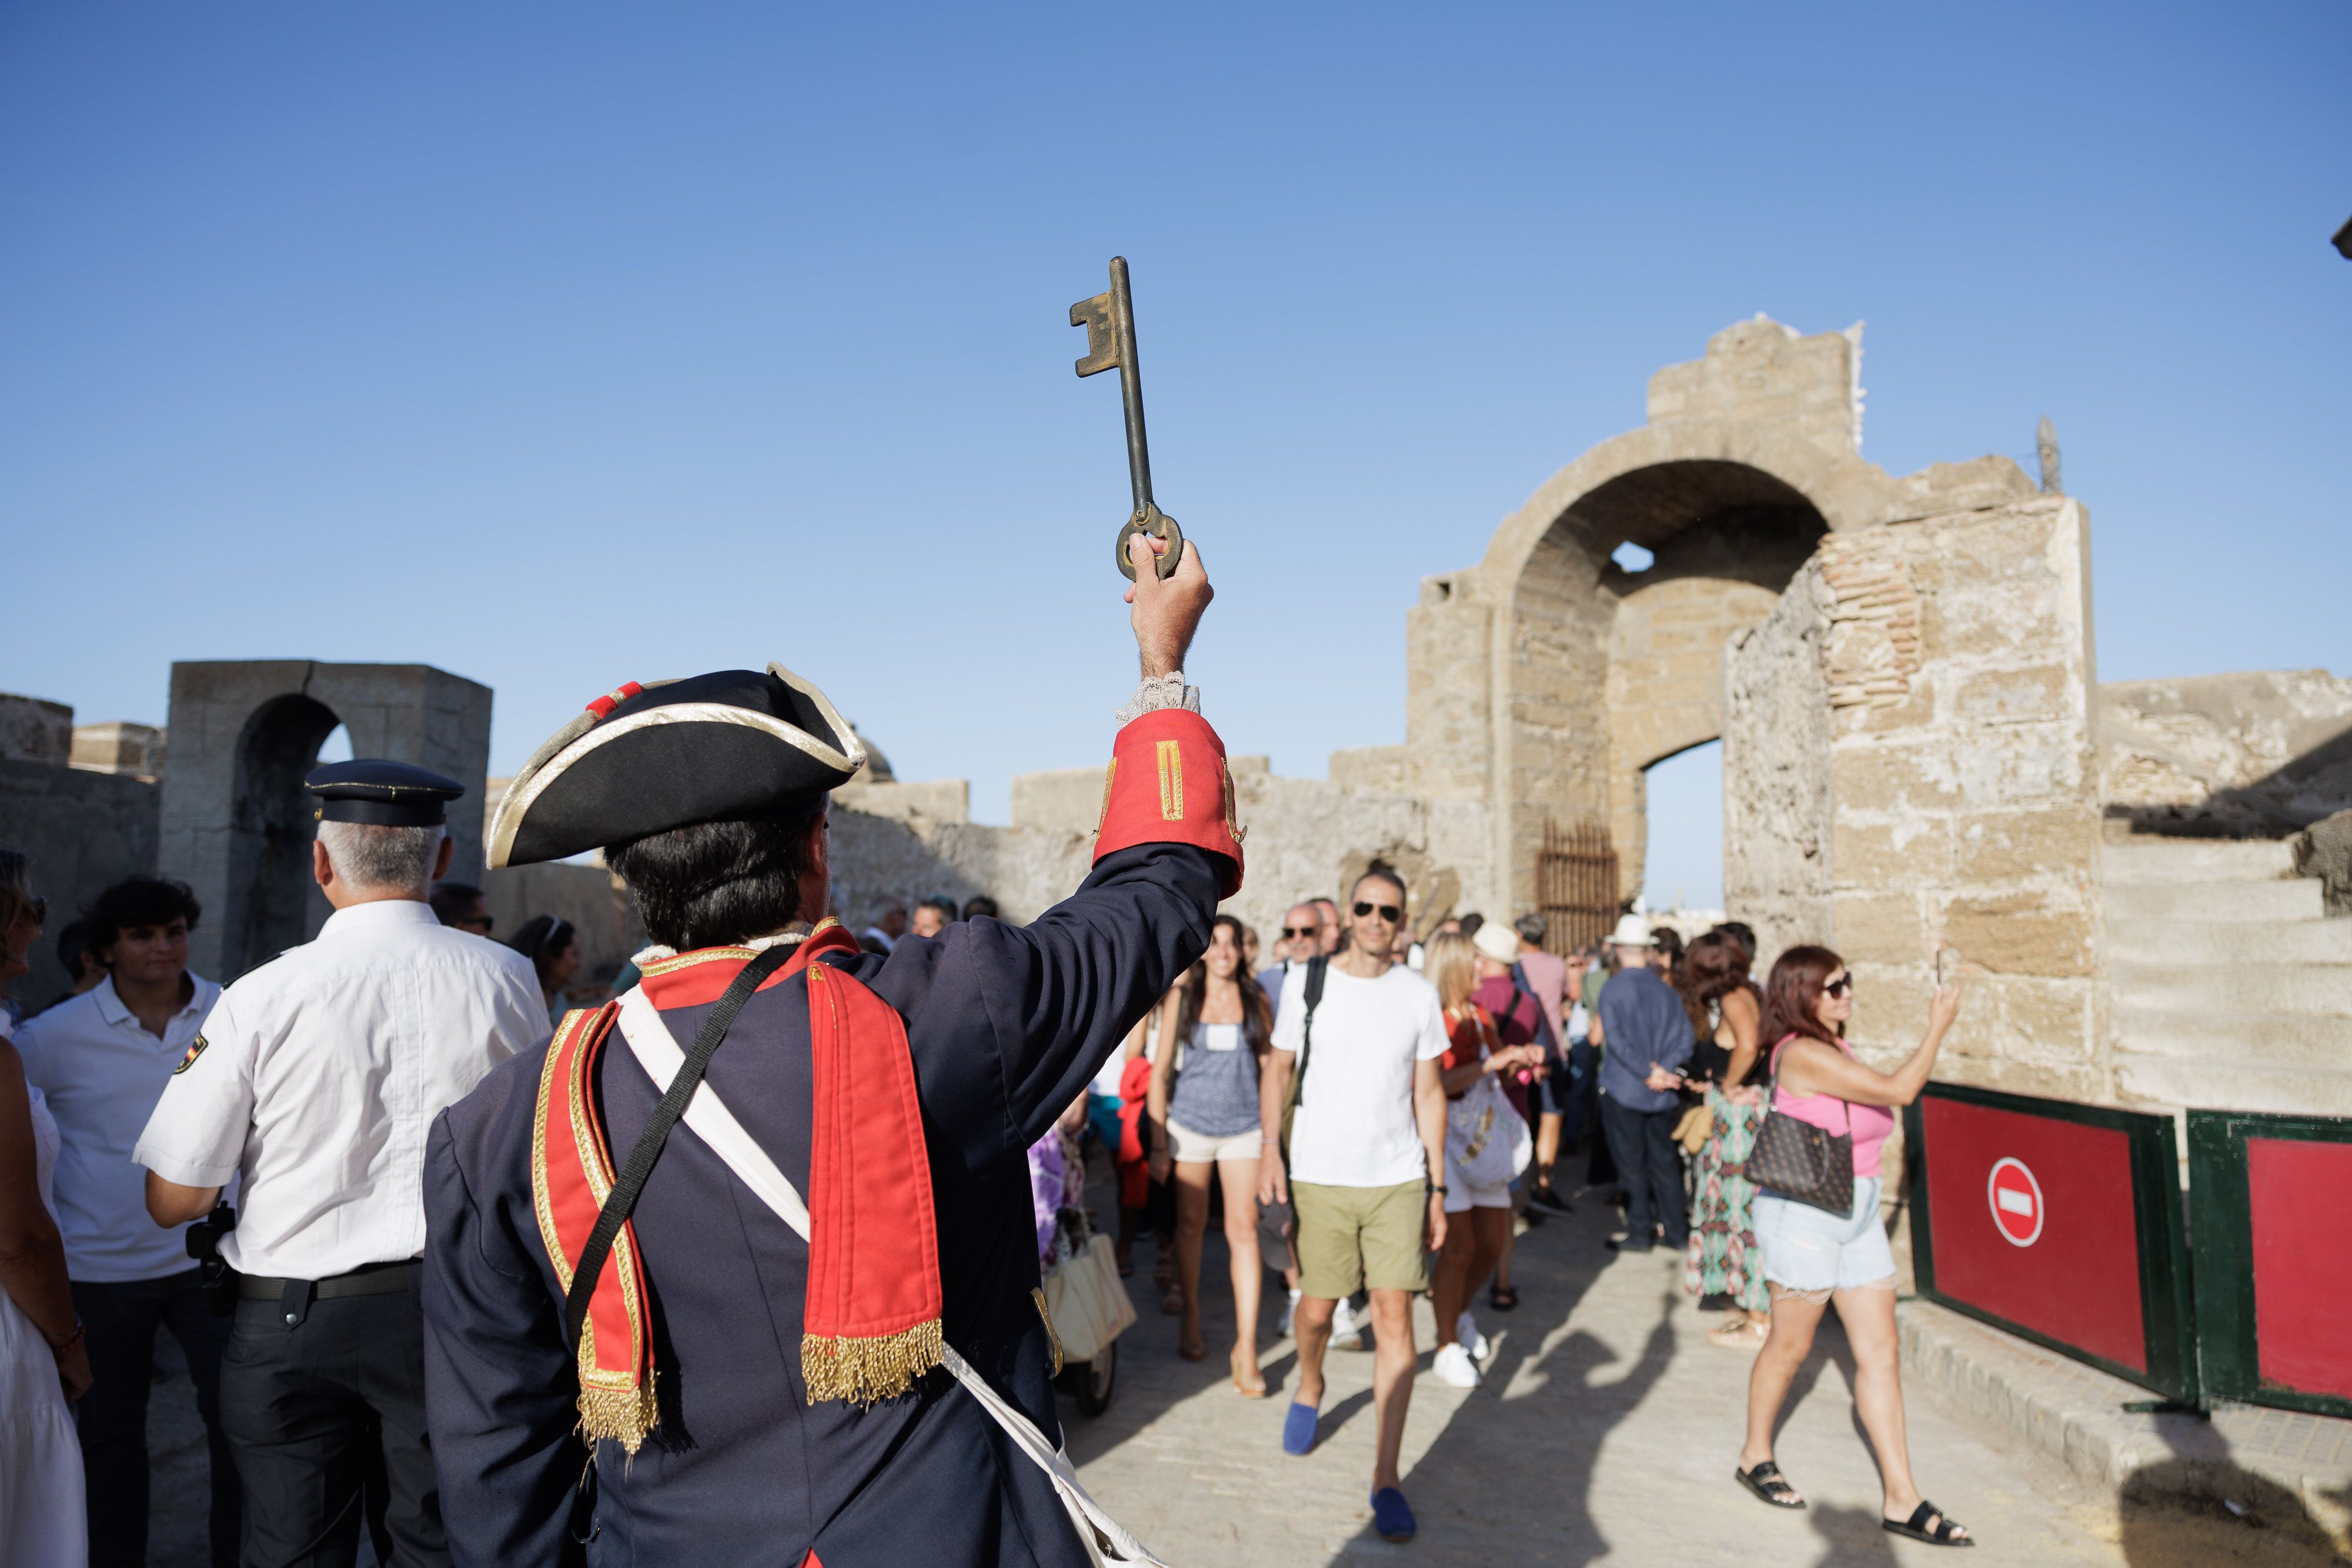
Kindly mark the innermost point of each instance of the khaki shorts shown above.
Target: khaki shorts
(1367, 1236)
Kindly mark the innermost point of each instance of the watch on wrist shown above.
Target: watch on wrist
(1436, 1188)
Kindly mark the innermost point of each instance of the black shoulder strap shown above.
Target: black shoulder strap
(631, 1179)
(1316, 968)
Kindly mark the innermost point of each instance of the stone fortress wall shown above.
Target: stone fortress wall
(2153, 876)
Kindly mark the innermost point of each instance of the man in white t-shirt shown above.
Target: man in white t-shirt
(1367, 1153)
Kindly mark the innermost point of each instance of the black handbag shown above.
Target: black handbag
(1799, 1161)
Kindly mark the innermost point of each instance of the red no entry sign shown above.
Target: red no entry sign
(2016, 1200)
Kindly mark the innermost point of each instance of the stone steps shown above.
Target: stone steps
(2167, 860)
(2214, 900)
(2228, 990)
(2167, 1082)
(2247, 942)
(2307, 1041)
(2231, 988)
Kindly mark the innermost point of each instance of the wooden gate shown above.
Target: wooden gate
(1575, 885)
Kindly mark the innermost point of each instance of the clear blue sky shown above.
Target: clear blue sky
(559, 346)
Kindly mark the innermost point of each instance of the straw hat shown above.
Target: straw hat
(1496, 941)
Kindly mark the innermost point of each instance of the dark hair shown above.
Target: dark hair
(1714, 965)
(711, 884)
(978, 904)
(1377, 871)
(944, 904)
(543, 939)
(1790, 994)
(1471, 922)
(1258, 1016)
(448, 900)
(73, 946)
(1668, 941)
(1532, 929)
(138, 901)
(1742, 933)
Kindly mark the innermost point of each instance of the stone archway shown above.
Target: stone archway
(273, 904)
(1544, 680)
(237, 824)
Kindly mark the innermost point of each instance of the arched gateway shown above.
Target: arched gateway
(1548, 678)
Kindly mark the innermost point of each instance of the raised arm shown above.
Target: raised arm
(1808, 1067)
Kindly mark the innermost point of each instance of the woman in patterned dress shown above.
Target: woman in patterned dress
(1723, 1260)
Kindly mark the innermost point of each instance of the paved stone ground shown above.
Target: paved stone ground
(1607, 1430)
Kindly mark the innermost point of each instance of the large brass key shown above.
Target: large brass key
(1110, 321)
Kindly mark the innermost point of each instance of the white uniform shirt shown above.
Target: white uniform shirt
(321, 1074)
(1355, 1125)
(102, 1072)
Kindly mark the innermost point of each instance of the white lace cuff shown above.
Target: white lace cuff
(1157, 693)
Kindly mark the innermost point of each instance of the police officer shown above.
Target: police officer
(315, 1080)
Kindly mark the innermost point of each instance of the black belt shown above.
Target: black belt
(367, 1279)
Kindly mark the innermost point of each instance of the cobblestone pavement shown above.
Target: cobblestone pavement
(1607, 1430)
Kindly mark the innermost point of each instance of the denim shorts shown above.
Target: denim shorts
(1810, 1252)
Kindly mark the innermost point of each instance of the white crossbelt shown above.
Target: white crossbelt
(1107, 1542)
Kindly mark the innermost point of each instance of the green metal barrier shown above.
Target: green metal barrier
(2270, 1224)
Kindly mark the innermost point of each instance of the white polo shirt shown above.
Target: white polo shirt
(320, 1077)
(102, 1072)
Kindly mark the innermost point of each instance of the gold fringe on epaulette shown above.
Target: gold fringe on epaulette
(622, 1415)
(863, 1371)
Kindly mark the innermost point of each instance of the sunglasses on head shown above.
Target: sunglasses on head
(1389, 912)
(1842, 986)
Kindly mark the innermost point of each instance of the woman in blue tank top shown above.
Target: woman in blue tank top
(1215, 1030)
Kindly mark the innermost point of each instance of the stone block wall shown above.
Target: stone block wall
(1956, 670)
(81, 832)
(34, 731)
(1776, 771)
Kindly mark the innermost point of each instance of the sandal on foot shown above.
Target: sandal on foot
(1503, 1298)
(1173, 1303)
(1767, 1482)
(1247, 1390)
(1745, 1334)
(1915, 1527)
(1298, 1429)
(1193, 1351)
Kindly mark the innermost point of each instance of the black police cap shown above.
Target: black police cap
(665, 754)
(389, 794)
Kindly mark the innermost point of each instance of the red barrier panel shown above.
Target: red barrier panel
(2057, 1221)
(2272, 1199)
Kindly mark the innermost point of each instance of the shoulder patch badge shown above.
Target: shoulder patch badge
(194, 1050)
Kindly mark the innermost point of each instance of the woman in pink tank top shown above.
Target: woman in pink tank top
(1813, 1259)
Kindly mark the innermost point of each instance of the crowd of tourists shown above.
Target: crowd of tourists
(1374, 1119)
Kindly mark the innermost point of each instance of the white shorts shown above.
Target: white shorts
(1188, 1147)
(1462, 1196)
(1810, 1252)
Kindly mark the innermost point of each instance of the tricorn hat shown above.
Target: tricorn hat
(664, 754)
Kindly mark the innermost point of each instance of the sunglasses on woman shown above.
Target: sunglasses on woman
(1840, 987)
(1389, 912)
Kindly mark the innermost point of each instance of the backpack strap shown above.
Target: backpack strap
(1317, 967)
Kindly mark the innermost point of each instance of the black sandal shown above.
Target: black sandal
(1915, 1527)
(1767, 1482)
(1503, 1298)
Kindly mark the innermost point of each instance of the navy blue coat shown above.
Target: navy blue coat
(1006, 1024)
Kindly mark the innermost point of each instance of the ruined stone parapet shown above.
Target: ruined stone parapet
(34, 731)
(2258, 754)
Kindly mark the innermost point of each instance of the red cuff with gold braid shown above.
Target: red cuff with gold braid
(1167, 783)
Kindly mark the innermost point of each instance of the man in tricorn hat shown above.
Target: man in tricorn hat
(314, 1084)
(805, 1327)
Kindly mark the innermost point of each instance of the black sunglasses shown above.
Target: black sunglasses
(1389, 912)
(1301, 930)
(1842, 986)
